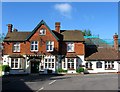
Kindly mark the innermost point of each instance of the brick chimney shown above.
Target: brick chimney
(57, 27)
(115, 37)
(10, 28)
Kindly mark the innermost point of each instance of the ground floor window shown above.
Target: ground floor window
(71, 63)
(17, 63)
(49, 63)
(88, 65)
(98, 64)
(64, 63)
(109, 64)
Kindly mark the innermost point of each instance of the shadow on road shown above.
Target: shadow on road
(17, 83)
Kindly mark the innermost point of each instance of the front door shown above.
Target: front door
(34, 67)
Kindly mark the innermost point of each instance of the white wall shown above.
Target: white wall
(5, 60)
(100, 70)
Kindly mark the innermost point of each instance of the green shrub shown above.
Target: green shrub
(5, 68)
(79, 70)
(60, 70)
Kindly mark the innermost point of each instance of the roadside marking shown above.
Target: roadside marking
(52, 82)
(40, 89)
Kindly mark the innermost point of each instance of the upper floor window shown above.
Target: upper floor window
(99, 64)
(49, 46)
(34, 46)
(16, 47)
(70, 47)
(42, 31)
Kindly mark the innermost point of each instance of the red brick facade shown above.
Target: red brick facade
(60, 47)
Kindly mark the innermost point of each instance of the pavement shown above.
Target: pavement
(37, 83)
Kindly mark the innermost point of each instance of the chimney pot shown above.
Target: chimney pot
(15, 30)
(57, 27)
(10, 28)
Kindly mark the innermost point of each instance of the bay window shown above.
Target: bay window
(49, 63)
(70, 63)
(17, 63)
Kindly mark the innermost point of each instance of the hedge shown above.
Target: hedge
(5, 68)
(79, 70)
(60, 70)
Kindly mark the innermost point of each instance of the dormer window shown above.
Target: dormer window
(42, 31)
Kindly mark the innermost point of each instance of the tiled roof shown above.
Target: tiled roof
(16, 36)
(64, 36)
(94, 54)
(72, 35)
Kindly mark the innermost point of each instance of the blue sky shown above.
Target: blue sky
(100, 17)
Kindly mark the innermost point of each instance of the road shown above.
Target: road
(38, 83)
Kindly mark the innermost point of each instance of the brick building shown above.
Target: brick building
(43, 50)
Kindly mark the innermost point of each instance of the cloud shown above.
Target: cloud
(65, 9)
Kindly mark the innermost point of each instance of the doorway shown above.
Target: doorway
(34, 67)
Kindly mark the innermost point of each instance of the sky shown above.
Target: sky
(99, 17)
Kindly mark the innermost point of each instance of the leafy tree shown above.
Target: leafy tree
(86, 32)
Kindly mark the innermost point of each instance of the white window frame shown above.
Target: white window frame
(49, 61)
(20, 63)
(70, 47)
(64, 64)
(34, 44)
(109, 63)
(71, 63)
(48, 46)
(42, 31)
(16, 47)
(99, 62)
(88, 65)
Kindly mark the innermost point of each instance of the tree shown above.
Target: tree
(89, 33)
(86, 33)
(2, 37)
